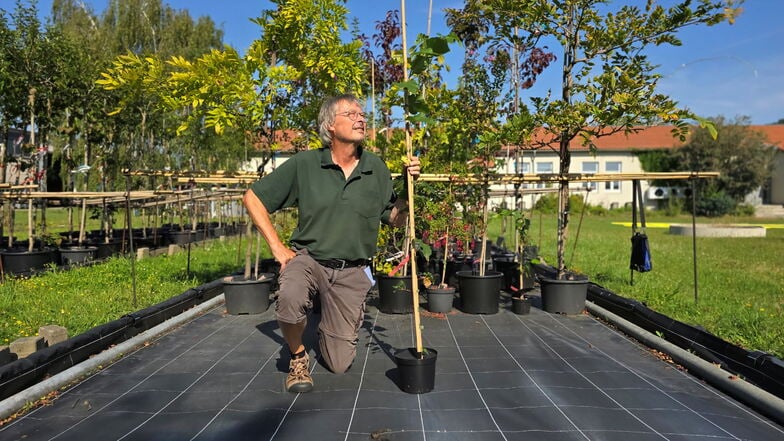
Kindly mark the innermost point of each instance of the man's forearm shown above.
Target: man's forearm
(261, 218)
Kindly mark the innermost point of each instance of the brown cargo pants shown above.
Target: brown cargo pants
(342, 294)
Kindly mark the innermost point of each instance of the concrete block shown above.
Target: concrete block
(174, 249)
(25, 346)
(142, 253)
(6, 356)
(53, 334)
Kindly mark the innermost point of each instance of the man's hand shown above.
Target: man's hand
(283, 256)
(412, 166)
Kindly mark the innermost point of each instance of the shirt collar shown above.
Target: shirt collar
(327, 162)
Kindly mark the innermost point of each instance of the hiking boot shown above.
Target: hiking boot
(299, 379)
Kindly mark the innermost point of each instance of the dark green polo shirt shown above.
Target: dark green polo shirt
(338, 218)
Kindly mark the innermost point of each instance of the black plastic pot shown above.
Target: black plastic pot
(21, 261)
(440, 299)
(104, 250)
(182, 237)
(416, 372)
(479, 294)
(452, 267)
(521, 305)
(247, 296)
(511, 272)
(394, 293)
(564, 296)
(77, 255)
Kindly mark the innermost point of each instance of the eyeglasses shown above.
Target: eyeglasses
(353, 115)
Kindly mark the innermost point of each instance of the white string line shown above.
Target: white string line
(207, 371)
(525, 371)
(470, 375)
(421, 417)
(584, 377)
(362, 376)
(635, 373)
(141, 381)
(690, 378)
(252, 379)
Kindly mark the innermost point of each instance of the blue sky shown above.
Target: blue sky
(728, 70)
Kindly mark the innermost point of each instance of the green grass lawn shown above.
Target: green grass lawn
(740, 280)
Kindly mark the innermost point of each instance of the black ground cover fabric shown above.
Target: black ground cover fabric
(759, 368)
(21, 374)
(498, 377)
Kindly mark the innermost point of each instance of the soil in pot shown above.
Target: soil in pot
(416, 372)
(247, 296)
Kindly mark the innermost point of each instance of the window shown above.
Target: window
(591, 168)
(543, 168)
(613, 167)
(522, 167)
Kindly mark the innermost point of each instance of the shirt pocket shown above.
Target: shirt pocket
(367, 207)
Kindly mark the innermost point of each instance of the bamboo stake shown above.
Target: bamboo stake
(410, 183)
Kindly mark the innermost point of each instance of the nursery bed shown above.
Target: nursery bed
(498, 377)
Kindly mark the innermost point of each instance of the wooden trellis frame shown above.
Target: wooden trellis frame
(500, 178)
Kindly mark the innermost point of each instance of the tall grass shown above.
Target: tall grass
(740, 281)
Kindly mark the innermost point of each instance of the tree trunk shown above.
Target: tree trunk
(566, 136)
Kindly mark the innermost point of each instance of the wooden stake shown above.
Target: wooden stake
(410, 183)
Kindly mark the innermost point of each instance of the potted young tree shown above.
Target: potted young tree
(478, 105)
(417, 364)
(79, 253)
(391, 265)
(250, 292)
(41, 249)
(444, 227)
(518, 272)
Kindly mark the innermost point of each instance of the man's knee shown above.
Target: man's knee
(292, 306)
(341, 368)
(338, 356)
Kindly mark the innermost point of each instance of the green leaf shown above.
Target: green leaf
(415, 104)
(437, 45)
(709, 126)
(418, 64)
(409, 86)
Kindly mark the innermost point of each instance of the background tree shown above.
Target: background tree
(741, 155)
(305, 37)
(6, 114)
(277, 85)
(383, 70)
(141, 132)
